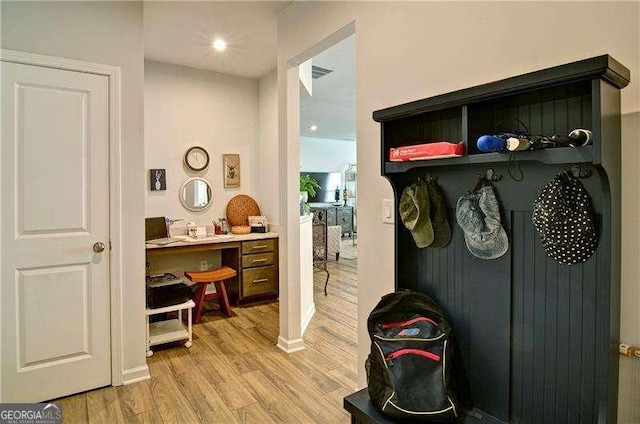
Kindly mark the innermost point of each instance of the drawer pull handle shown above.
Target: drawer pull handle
(260, 246)
(261, 280)
(258, 260)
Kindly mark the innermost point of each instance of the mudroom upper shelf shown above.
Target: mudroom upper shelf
(547, 102)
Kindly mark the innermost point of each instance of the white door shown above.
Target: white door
(54, 289)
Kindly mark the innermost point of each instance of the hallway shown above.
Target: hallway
(234, 373)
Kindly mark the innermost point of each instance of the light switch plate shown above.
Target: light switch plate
(388, 215)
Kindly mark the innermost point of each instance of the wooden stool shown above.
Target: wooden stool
(217, 277)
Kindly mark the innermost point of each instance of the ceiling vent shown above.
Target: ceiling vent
(318, 72)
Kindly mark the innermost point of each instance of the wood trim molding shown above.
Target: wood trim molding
(115, 188)
(307, 319)
(135, 375)
(290, 346)
(57, 62)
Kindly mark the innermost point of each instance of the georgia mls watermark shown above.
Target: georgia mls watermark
(30, 413)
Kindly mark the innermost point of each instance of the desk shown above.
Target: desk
(254, 256)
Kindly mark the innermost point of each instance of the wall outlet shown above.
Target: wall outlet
(624, 349)
(387, 211)
(204, 265)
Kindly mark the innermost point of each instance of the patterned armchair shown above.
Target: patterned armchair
(334, 236)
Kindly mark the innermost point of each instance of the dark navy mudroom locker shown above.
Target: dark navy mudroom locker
(539, 339)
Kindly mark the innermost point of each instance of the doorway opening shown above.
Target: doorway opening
(328, 170)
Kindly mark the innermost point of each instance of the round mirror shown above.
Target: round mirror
(195, 194)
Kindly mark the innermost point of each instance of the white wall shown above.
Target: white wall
(437, 47)
(307, 305)
(187, 107)
(268, 147)
(108, 33)
(325, 155)
(629, 386)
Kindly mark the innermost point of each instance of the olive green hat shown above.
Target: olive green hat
(415, 213)
(439, 220)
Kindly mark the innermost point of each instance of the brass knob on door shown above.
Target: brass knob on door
(98, 247)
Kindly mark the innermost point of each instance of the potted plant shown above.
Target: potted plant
(308, 187)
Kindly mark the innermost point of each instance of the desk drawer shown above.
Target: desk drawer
(258, 246)
(259, 259)
(261, 280)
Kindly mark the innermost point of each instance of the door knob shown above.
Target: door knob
(98, 247)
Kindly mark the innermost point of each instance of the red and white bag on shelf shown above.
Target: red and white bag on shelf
(437, 150)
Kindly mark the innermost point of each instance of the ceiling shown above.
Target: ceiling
(333, 105)
(181, 33)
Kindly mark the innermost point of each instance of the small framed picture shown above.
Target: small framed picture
(231, 166)
(157, 179)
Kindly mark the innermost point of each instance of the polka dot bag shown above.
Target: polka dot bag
(563, 217)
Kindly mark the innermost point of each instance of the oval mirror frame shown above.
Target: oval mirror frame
(200, 197)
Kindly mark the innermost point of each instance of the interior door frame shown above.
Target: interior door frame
(113, 73)
(290, 339)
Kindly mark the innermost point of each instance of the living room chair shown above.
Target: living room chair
(334, 237)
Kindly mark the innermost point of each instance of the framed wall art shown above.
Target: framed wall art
(231, 166)
(157, 179)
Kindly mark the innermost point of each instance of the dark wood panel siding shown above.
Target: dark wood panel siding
(443, 125)
(476, 296)
(554, 332)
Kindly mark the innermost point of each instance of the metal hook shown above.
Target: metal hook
(492, 175)
(429, 178)
(579, 172)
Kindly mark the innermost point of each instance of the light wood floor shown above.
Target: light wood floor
(234, 373)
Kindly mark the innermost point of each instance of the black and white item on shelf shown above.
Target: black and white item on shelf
(529, 142)
(258, 224)
(576, 138)
(563, 217)
(518, 141)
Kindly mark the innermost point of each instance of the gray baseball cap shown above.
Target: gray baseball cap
(478, 214)
(415, 213)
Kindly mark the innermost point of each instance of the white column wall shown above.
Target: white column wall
(268, 147)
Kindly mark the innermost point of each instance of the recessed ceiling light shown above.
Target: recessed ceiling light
(313, 127)
(219, 45)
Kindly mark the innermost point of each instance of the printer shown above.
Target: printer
(166, 289)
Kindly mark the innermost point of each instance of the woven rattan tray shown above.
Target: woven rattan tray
(240, 208)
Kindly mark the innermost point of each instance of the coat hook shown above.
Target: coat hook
(429, 178)
(579, 172)
(492, 175)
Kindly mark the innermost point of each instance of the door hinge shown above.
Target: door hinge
(110, 246)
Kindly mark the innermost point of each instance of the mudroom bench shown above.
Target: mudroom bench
(542, 335)
(363, 411)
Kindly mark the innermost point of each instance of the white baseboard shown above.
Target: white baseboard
(134, 375)
(307, 319)
(290, 346)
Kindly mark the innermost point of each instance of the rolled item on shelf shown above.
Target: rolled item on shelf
(436, 150)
